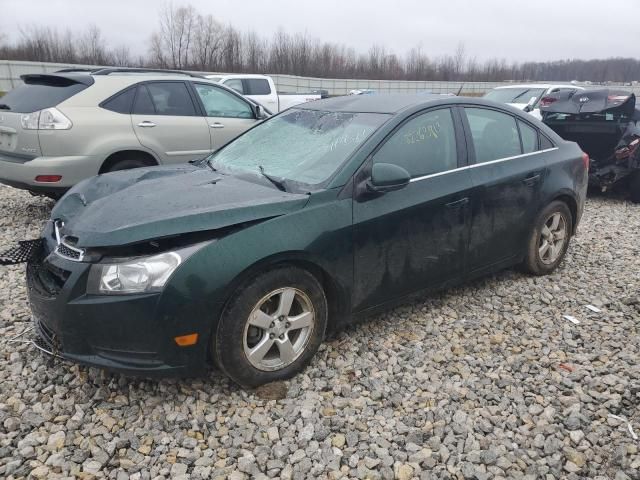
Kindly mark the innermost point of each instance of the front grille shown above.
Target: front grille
(68, 252)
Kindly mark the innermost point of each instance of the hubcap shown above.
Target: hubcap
(278, 329)
(552, 238)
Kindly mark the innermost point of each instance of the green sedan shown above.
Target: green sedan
(321, 215)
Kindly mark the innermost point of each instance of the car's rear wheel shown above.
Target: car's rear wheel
(272, 327)
(549, 239)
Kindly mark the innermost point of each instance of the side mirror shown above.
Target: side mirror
(386, 177)
(260, 112)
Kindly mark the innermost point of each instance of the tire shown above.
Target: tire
(634, 187)
(275, 345)
(548, 242)
(126, 164)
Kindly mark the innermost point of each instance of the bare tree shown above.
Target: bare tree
(92, 47)
(207, 43)
(171, 45)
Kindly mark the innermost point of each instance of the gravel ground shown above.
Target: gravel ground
(482, 381)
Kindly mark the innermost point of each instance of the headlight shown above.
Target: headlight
(136, 275)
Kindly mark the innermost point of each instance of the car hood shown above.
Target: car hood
(131, 206)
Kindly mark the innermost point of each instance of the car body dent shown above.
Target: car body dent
(121, 208)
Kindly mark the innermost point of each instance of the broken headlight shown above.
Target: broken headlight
(136, 275)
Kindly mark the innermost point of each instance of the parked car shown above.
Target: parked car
(527, 97)
(262, 88)
(606, 125)
(323, 214)
(362, 91)
(58, 129)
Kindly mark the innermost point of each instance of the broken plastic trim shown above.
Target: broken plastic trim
(25, 251)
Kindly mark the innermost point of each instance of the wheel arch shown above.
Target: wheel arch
(147, 157)
(572, 203)
(337, 295)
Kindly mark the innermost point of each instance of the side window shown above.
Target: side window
(143, 104)
(545, 143)
(220, 103)
(495, 134)
(529, 137)
(258, 86)
(236, 84)
(121, 102)
(424, 145)
(166, 98)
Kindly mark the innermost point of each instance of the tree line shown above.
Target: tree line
(187, 39)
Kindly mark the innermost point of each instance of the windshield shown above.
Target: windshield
(514, 95)
(303, 146)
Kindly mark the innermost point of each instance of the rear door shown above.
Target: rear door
(166, 120)
(227, 114)
(19, 137)
(508, 172)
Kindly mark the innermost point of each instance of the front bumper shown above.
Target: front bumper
(125, 333)
(21, 173)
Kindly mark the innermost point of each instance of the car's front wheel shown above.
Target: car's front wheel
(272, 327)
(549, 239)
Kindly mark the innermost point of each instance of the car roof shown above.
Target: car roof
(379, 103)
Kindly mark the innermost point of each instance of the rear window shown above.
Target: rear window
(31, 97)
(121, 102)
(257, 86)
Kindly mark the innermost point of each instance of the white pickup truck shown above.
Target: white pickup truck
(262, 89)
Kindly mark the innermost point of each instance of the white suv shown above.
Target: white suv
(57, 129)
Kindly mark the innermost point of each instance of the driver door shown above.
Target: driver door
(416, 237)
(228, 115)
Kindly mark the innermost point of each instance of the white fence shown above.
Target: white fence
(10, 72)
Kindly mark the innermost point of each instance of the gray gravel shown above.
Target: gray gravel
(483, 381)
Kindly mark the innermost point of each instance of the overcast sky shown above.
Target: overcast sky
(511, 29)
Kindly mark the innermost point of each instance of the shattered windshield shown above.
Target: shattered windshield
(303, 146)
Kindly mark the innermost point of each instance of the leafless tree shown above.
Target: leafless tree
(187, 39)
(171, 45)
(208, 38)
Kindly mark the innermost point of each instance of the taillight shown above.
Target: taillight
(628, 150)
(617, 98)
(47, 119)
(546, 101)
(585, 160)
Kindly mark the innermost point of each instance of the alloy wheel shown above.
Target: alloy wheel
(553, 238)
(278, 329)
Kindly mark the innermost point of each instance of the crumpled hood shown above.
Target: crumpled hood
(131, 206)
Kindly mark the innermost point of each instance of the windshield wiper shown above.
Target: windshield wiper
(4, 106)
(200, 161)
(278, 183)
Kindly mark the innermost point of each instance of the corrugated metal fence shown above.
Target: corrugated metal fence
(10, 72)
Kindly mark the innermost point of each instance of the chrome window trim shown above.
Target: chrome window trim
(475, 165)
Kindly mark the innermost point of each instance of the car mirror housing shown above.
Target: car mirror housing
(386, 177)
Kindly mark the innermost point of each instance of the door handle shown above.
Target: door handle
(458, 203)
(216, 125)
(531, 180)
(147, 124)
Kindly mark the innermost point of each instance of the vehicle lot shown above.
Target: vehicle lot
(483, 381)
